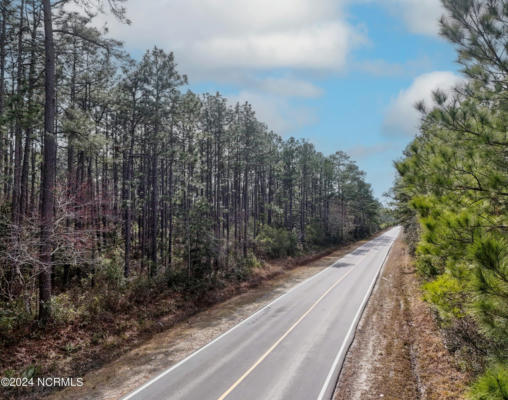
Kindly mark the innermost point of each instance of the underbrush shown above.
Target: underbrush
(492, 385)
(102, 315)
(276, 242)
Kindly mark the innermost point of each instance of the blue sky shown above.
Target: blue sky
(344, 74)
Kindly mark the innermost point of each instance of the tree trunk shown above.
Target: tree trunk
(154, 214)
(18, 151)
(3, 34)
(48, 169)
(29, 132)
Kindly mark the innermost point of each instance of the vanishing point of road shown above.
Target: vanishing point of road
(291, 349)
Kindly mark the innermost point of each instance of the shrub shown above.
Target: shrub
(276, 242)
(63, 309)
(13, 315)
(111, 270)
(93, 307)
(244, 266)
(447, 294)
(492, 385)
(490, 283)
(316, 234)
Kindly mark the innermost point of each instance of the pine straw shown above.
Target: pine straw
(398, 352)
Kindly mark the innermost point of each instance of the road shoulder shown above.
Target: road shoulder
(398, 351)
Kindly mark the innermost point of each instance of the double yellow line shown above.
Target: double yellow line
(273, 346)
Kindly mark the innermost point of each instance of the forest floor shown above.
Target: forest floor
(398, 352)
(122, 351)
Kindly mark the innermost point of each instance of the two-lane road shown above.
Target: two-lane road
(291, 349)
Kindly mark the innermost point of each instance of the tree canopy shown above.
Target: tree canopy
(112, 172)
(453, 181)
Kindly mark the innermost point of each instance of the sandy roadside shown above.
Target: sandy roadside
(398, 351)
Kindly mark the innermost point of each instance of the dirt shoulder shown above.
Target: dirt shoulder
(140, 363)
(398, 352)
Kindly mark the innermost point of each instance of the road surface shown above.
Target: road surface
(291, 349)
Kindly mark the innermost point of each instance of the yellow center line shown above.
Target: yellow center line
(260, 359)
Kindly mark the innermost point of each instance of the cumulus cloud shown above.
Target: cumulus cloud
(247, 45)
(263, 48)
(419, 16)
(323, 46)
(401, 117)
(224, 34)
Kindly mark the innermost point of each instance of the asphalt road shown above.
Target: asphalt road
(291, 349)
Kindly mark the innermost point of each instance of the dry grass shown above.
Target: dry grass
(398, 352)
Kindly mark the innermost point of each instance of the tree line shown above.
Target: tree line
(111, 169)
(452, 195)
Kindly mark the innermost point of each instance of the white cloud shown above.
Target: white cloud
(242, 42)
(278, 113)
(419, 16)
(263, 48)
(401, 116)
(224, 34)
(322, 46)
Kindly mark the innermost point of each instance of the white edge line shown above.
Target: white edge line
(350, 334)
(167, 371)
